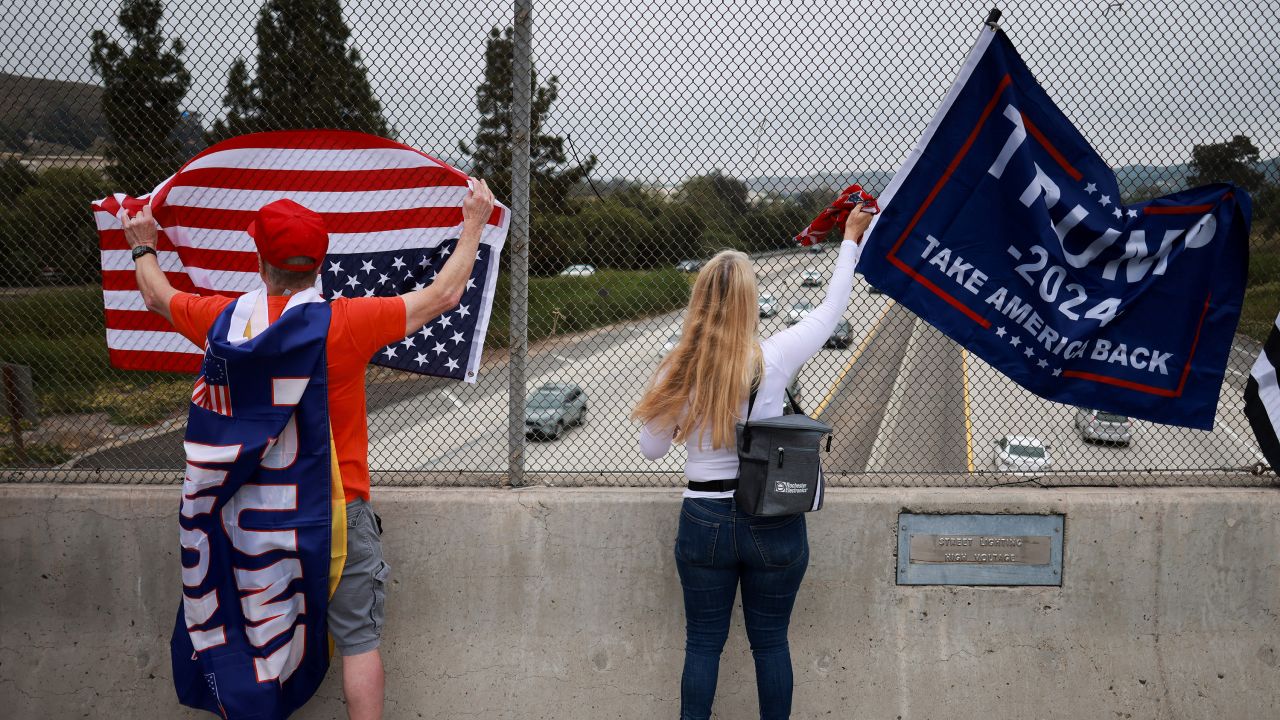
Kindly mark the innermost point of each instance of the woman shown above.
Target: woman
(698, 395)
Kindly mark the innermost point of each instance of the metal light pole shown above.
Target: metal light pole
(521, 78)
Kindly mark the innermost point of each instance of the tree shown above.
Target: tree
(1234, 161)
(1142, 193)
(679, 233)
(13, 136)
(46, 233)
(774, 226)
(15, 178)
(723, 199)
(143, 86)
(62, 124)
(551, 177)
(307, 77)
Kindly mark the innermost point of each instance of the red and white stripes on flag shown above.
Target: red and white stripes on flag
(374, 194)
(212, 397)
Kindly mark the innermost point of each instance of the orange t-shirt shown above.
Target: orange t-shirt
(357, 328)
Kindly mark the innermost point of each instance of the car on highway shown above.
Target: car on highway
(873, 290)
(768, 305)
(1103, 427)
(817, 248)
(579, 270)
(689, 266)
(841, 336)
(1022, 454)
(811, 278)
(798, 311)
(670, 344)
(552, 408)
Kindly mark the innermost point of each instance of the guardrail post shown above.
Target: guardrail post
(521, 78)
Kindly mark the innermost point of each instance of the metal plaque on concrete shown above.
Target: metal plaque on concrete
(979, 549)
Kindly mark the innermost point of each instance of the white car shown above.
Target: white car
(1103, 427)
(768, 305)
(798, 311)
(1022, 454)
(810, 278)
(579, 270)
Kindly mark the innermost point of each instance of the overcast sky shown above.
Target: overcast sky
(663, 89)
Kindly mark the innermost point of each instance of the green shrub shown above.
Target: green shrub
(145, 404)
(60, 333)
(37, 455)
(1258, 315)
(1264, 267)
(573, 304)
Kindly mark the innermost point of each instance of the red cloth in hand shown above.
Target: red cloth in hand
(835, 215)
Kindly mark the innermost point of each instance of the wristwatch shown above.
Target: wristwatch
(143, 250)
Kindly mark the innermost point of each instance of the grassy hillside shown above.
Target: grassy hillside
(53, 111)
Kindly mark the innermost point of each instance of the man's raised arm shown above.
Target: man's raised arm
(445, 292)
(140, 232)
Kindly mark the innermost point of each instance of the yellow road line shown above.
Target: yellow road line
(968, 425)
(853, 359)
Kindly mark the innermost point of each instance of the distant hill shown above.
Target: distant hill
(60, 112)
(874, 181)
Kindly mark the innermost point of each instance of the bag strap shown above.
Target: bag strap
(791, 401)
(795, 406)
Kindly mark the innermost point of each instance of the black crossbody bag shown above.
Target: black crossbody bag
(780, 462)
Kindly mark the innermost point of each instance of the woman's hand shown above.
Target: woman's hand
(478, 206)
(139, 229)
(857, 223)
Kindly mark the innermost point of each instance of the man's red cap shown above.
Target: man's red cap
(284, 229)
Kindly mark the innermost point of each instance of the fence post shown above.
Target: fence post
(521, 77)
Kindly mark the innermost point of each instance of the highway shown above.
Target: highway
(903, 399)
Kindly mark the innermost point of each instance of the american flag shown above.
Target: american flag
(393, 213)
(442, 346)
(213, 389)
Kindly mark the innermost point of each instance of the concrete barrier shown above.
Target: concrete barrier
(564, 603)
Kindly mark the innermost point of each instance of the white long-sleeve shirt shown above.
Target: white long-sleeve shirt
(783, 355)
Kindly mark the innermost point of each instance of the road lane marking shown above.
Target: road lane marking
(968, 425)
(853, 359)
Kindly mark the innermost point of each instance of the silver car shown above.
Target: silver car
(768, 305)
(553, 408)
(798, 311)
(810, 278)
(1022, 454)
(1103, 427)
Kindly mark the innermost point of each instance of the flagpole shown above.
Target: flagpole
(521, 78)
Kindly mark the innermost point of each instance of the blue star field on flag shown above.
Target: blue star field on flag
(442, 346)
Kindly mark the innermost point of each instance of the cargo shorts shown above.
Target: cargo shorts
(356, 610)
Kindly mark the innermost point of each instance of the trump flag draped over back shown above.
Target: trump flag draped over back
(393, 215)
(1007, 232)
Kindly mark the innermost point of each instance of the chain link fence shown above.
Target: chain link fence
(660, 134)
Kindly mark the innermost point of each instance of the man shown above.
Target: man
(292, 242)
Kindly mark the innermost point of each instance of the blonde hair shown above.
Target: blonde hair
(699, 386)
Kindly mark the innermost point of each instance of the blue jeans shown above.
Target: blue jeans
(717, 546)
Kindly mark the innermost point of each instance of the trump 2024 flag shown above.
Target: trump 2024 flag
(393, 214)
(1007, 232)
